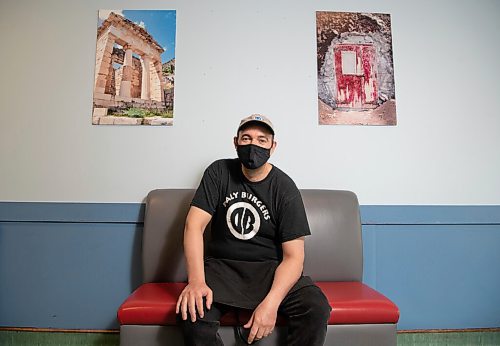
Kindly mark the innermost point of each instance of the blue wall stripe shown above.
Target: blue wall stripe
(430, 215)
(440, 276)
(70, 265)
(67, 275)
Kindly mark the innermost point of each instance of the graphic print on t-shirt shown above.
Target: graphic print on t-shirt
(243, 220)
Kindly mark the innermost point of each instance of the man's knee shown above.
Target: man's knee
(315, 306)
(320, 309)
(198, 325)
(319, 306)
(200, 332)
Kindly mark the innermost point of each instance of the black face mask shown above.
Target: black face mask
(252, 156)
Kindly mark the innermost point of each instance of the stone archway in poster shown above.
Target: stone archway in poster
(355, 69)
(135, 68)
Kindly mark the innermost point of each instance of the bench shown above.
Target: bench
(334, 260)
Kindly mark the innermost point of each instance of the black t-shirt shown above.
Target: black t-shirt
(250, 221)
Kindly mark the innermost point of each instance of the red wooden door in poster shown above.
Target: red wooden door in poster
(355, 70)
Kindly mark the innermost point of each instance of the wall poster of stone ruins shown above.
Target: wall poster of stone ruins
(135, 68)
(355, 69)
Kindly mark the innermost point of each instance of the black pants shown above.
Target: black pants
(307, 312)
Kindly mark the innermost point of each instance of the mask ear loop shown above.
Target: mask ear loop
(235, 142)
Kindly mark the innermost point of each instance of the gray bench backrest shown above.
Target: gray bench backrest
(333, 251)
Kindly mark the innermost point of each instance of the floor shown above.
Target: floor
(24, 338)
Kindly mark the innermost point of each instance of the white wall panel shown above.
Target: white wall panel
(239, 57)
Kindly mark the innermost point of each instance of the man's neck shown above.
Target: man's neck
(258, 174)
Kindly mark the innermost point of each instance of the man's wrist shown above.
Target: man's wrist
(196, 280)
(272, 301)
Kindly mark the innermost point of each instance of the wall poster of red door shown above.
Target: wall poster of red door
(355, 69)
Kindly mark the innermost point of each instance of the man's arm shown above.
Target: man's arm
(191, 298)
(288, 272)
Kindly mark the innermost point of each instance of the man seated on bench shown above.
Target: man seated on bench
(256, 254)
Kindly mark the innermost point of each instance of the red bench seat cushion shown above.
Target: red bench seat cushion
(357, 303)
(351, 302)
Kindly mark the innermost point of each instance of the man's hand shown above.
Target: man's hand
(262, 321)
(191, 300)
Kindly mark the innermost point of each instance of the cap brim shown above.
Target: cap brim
(255, 122)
